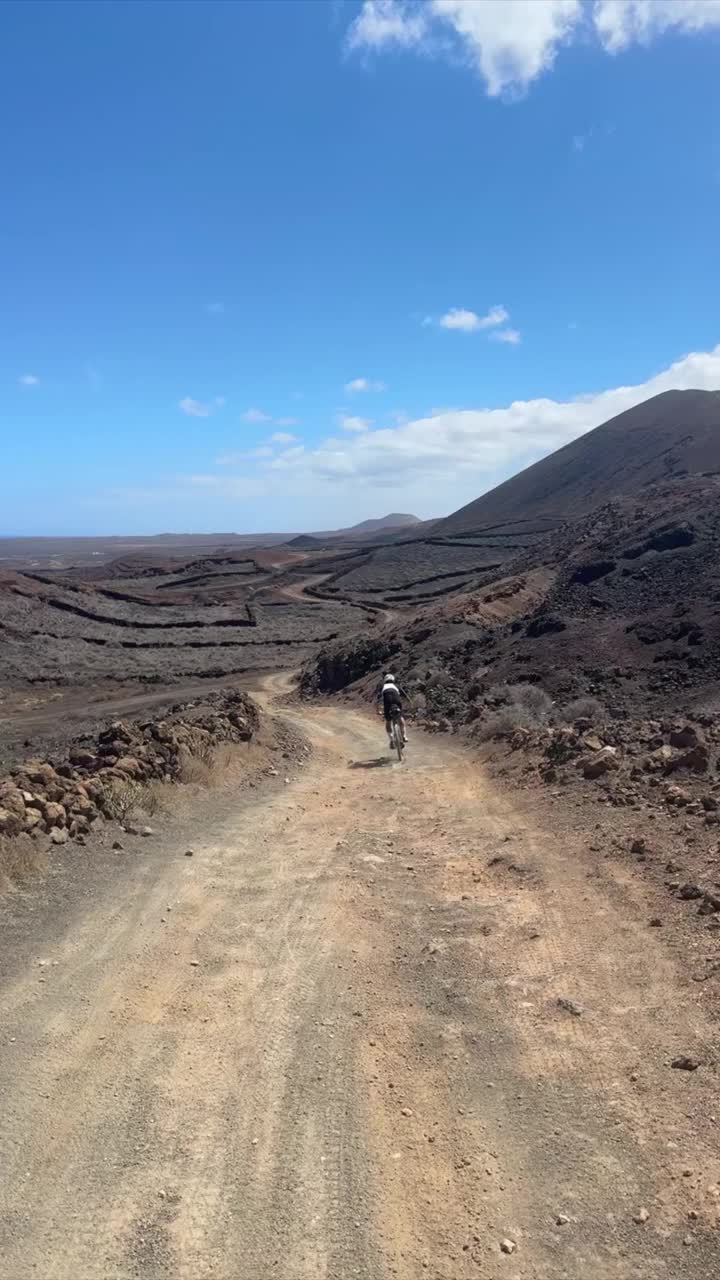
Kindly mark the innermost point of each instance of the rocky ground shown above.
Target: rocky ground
(622, 605)
(99, 779)
(81, 647)
(387, 1021)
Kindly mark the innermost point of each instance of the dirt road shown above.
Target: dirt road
(329, 1045)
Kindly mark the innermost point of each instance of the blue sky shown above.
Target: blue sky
(429, 243)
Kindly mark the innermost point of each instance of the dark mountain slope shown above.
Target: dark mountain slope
(673, 434)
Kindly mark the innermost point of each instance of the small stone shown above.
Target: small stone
(688, 1240)
(189, 853)
(562, 1220)
(685, 1063)
(406, 1111)
(570, 1006)
(116, 844)
(656, 922)
(147, 831)
(59, 835)
(693, 1215)
(507, 1246)
(194, 964)
(641, 1216)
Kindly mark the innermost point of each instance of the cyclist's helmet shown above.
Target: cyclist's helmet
(389, 678)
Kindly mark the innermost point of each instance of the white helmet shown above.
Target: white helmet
(389, 678)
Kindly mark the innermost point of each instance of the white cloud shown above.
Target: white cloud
(469, 321)
(215, 308)
(289, 458)
(29, 380)
(382, 22)
(507, 335)
(282, 437)
(432, 464)
(364, 384)
(456, 445)
(620, 23)
(458, 318)
(255, 415)
(350, 423)
(511, 42)
(200, 408)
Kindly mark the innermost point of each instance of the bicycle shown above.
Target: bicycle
(396, 733)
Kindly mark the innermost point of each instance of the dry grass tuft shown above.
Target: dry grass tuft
(21, 858)
(585, 708)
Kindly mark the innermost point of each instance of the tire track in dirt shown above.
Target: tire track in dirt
(329, 1045)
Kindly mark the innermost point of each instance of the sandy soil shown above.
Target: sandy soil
(329, 1045)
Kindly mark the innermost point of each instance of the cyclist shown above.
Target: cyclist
(392, 696)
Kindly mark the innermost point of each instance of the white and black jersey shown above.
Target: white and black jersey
(392, 696)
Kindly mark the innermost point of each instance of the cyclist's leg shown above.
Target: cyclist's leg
(403, 726)
(388, 729)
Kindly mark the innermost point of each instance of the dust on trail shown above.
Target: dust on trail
(329, 1045)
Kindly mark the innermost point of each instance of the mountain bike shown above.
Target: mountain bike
(396, 733)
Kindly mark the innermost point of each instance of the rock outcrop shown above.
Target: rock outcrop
(63, 798)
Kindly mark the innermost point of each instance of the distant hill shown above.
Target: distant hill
(379, 530)
(305, 542)
(401, 533)
(394, 521)
(674, 434)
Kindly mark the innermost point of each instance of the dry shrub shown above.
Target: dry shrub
(155, 798)
(524, 706)
(533, 700)
(585, 708)
(210, 767)
(194, 770)
(119, 799)
(498, 693)
(20, 859)
(503, 725)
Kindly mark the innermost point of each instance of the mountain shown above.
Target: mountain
(394, 521)
(305, 542)
(673, 434)
(594, 573)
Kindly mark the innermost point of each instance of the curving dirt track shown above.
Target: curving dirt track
(329, 1045)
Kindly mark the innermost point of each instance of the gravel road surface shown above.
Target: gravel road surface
(380, 1024)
